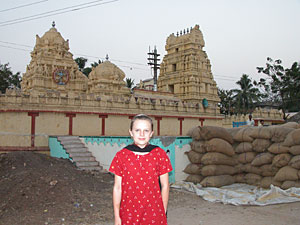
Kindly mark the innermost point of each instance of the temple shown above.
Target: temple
(57, 99)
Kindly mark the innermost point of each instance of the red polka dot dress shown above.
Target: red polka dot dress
(141, 201)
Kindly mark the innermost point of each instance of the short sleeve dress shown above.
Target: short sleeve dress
(141, 201)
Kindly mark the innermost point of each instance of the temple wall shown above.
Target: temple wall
(16, 127)
(84, 124)
(13, 127)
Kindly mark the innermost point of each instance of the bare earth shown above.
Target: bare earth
(37, 189)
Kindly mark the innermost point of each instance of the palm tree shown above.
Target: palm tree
(129, 83)
(246, 96)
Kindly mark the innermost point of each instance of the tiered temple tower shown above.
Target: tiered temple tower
(186, 69)
(52, 67)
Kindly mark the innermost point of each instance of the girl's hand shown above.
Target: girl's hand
(118, 221)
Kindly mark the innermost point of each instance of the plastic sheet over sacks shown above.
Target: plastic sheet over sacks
(242, 194)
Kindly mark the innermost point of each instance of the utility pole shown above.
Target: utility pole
(153, 62)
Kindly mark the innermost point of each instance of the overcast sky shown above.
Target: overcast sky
(239, 34)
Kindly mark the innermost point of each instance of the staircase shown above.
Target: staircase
(79, 153)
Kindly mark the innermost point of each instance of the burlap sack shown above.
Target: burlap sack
(288, 184)
(216, 158)
(281, 160)
(295, 150)
(261, 145)
(294, 125)
(239, 178)
(214, 170)
(193, 169)
(246, 157)
(267, 181)
(293, 138)
(209, 132)
(286, 173)
(262, 159)
(278, 148)
(295, 162)
(219, 145)
(268, 170)
(248, 168)
(198, 146)
(233, 131)
(243, 147)
(194, 157)
(280, 133)
(194, 133)
(253, 179)
(217, 181)
(243, 135)
(194, 178)
(261, 133)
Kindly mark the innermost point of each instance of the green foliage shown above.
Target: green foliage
(246, 98)
(81, 65)
(283, 85)
(129, 82)
(8, 79)
(227, 101)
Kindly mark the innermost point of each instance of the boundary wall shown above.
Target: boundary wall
(105, 148)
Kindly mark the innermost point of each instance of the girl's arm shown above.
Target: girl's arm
(117, 190)
(164, 180)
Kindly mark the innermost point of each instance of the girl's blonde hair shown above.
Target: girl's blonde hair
(141, 117)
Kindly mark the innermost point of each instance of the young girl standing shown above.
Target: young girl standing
(138, 168)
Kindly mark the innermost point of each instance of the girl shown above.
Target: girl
(138, 168)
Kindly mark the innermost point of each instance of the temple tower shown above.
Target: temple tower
(186, 69)
(52, 67)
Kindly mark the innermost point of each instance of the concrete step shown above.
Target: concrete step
(73, 145)
(71, 150)
(86, 163)
(78, 154)
(66, 138)
(98, 168)
(68, 142)
(83, 158)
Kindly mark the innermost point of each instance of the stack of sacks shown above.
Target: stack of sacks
(211, 156)
(258, 156)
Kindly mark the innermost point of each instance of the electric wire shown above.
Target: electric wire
(22, 6)
(43, 15)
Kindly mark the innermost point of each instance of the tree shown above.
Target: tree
(247, 96)
(129, 83)
(227, 101)
(8, 79)
(283, 85)
(81, 65)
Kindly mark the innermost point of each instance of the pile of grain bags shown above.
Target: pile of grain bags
(258, 156)
(211, 157)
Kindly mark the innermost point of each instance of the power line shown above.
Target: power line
(26, 50)
(51, 13)
(44, 13)
(21, 6)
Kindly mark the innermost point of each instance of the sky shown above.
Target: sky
(239, 35)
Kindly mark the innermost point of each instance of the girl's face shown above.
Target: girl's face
(141, 132)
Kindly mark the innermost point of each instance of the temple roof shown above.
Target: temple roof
(107, 70)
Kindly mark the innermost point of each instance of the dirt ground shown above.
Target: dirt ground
(37, 189)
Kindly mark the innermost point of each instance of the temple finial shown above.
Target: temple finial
(53, 24)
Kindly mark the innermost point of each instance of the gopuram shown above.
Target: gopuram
(57, 99)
